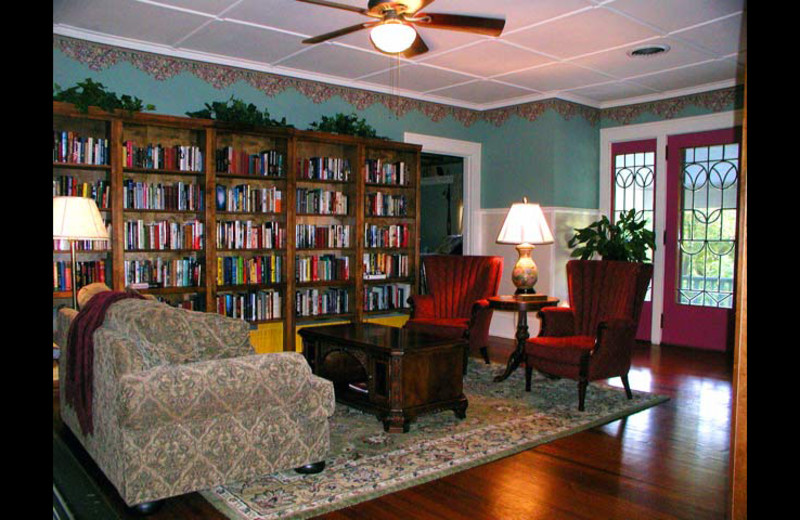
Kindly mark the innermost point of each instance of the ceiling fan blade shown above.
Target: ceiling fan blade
(345, 7)
(340, 32)
(417, 48)
(457, 22)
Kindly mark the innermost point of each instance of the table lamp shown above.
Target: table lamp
(525, 227)
(77, 218)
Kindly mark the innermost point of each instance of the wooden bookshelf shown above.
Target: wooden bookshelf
(323, 181)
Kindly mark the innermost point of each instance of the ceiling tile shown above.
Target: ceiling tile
(214, 7)
(617, 62)
(612, 91)
(488, 58)
(673, 15)
(335, 60)
(724, 37)
(417, 77)
(299, 17)
(483, 92)
(126, 19)
(243, 41)
(688, 77)
(558, 76)
(517, 13)
(582, 33)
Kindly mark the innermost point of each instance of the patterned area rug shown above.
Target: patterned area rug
(364, 462)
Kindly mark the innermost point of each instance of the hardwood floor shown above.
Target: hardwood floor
(670, 461)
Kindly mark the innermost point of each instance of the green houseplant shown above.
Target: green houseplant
(88, 93)
(237, 111)
(626, 240)
(345, 124)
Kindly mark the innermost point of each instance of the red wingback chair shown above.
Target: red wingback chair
(593, 338)
(456, 304)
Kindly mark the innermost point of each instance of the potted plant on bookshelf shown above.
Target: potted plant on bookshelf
(626, 240)
(237, 111)
(345, 124)
(88, 93)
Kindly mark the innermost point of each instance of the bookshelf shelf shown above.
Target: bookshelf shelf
(248, 164)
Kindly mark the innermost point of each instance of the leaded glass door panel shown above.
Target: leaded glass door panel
(700, 249)
(633, 178)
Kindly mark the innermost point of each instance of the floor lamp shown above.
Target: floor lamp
(77, 218)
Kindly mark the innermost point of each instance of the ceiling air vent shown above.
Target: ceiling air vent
(648, 51)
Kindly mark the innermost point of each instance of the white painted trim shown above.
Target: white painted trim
(659, 130)
(471, 153)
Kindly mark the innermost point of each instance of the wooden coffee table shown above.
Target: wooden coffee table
(396, 374)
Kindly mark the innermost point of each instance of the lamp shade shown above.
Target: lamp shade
(77, 218)
(525, 224)
(393, 36)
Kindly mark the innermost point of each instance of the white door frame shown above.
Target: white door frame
(660, 131)
(471, 153)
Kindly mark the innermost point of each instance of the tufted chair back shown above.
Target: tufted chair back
(456, 282)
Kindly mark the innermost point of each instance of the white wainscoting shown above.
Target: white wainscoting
(551, 259)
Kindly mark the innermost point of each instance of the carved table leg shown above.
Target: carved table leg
(516, 357)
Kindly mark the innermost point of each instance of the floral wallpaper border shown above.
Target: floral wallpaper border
(98, 57)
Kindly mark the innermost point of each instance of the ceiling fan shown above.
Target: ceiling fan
(393, 31)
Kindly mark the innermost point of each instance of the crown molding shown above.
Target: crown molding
(99, 52)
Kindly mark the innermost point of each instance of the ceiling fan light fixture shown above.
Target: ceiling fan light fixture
(393, 36)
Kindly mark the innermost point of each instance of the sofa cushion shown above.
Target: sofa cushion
(176, 335)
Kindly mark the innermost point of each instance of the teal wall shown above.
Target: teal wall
(552, 160)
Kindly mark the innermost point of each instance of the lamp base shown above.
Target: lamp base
(525, 273)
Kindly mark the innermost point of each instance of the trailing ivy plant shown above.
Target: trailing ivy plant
(345, 124)
(88, 93)
(626, 240)
(237, 111)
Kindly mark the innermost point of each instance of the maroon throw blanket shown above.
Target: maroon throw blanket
(79, 381)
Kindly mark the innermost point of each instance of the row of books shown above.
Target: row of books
(387, 297)
(379, 171)
(247, 234)
(380, 204)
(88, 271)
(85, 245)
(160, 272)
(319, 302)
(310, 236)
(251, 305)
(385, 265)
(172, 197)
(394, 235)
(71, 147)
(68, 186)
(321, 202)
(164, 235)
(321, 268)
(157, 157)
(267, 163)
(190, 302)
(324, 168)
(237, 270)
(249, 199)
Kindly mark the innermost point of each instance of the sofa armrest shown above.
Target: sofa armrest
(421, 306)
(63, 321)
(557, 321)
(279, 383)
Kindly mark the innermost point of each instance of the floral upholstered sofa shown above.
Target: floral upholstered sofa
(181, 402)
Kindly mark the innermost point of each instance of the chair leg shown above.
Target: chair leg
(485, 353)
(582, 384)
(627, 386)
(528, 377)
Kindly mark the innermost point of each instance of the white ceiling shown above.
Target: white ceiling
(572, 49)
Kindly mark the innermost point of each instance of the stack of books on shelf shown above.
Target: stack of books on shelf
(267, 163)
(379, 171)
(244, 198)
(179, 196)
(386, 205)
(324, 168)
(158, 157)
(391, 236)
(321, 202)
(251, 306)
(247, 234)
(384, 265)
(309, 236)
(161, 272)
(321, 268)
(68, 186)
(69, 147)
(238, 270)
(88, 271)
(164, 235)
(319, 302)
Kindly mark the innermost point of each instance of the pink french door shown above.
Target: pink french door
(633, 179)
(700, 241)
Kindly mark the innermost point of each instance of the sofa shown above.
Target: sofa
(181, 402)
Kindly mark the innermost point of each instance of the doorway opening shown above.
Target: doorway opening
(442, 204)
